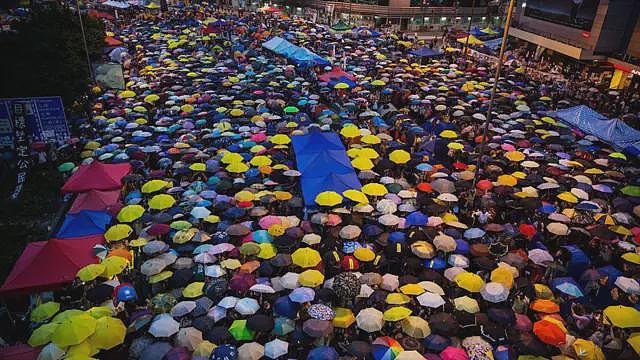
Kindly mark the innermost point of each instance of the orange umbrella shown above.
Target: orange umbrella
(545, 306)
(549, 333)
(123, 253)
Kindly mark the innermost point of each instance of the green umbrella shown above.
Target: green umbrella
(181, 225)
(240, 332)
(631, 190)
(341, 26)
(249, 248)
(291, 110)
(68, 166)
(163, 302)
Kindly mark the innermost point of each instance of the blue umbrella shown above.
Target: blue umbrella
(436, 263)
(283, 326)
(436, 342)
(225, 352)
(548, 209)
(416, 218)
(284, 306)
(474, 233)
(302, 295)
(323, 353)
(568, 286)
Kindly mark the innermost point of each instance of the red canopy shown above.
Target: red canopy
(19, 352)
(45, 265)
(335, 73)
(97, 176)
(95, 200)
(111, 41)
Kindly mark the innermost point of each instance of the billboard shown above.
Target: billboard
(44, 116)
(578, 14)
(109, 75)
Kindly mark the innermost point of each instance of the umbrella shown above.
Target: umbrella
(396, 313)
(109, 333)
(250, 351)
(44, 311)
(622, 316)
(494, 292)
(317, 327)
(549, 332)
(74, 330)
(469, 281)
(416, 327)
(163, 325)
(306, 257)
(240, 331)
(188, 337)
(431, 300)
(370, 320)
(276, 348)
(323, 353)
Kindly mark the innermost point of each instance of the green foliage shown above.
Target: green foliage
(45, 55)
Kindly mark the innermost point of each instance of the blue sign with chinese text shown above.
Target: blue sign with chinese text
(44, 116)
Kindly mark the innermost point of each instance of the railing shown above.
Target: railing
(405, 11)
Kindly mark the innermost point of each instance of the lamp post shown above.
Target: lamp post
(84, 40)
(466, 43)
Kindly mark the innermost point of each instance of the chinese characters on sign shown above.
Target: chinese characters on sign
(19, 110)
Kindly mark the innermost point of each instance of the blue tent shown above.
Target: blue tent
(426, 52)
(612, 131)
(84, 223)
(477, 32)
(297, 55)
(493, 44)
(324, 164)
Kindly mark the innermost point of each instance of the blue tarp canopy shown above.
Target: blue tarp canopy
(426, 52)
(324, 164)
(493, 44)
(84, 223)
(477, 32)
(612, 131)
(296, 54)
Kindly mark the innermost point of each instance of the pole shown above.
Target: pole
(466, 43)
(485, 126)
(350, 6)
(84, 41)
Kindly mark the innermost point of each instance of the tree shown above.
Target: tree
(45, 56)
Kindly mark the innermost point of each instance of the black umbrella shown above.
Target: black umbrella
(260, 322)
(504, 316)
(360, 349)
(99, 293)
(202, 323)
(346, 285)
(180, 278)
(216, 288)
(281, 260)
(317, 328)
(443, 324)
(218, 335)
(528, 344)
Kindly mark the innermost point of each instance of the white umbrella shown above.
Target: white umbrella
(200, 212)
(250, 351)
(276, 348)
(290, 280)
(540, 257)
(447, 197)
(214, 271)
(189, 337)
(350, 232)
(389, 220)
(452, 272)
(386, 206)
(247, 306)
(628, 285)
(152, 266)
(183, 308)
(431, 300)
(444, 243)
(431, 287)
(228, 302)
(163, 326)
(262, 288)
(410, 355)
(494, 292)
(390, 282)
(365, 291)
(51, 352)
(370, 320)
(217, 313)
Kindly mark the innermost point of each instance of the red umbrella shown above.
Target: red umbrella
(425, 187)
(453, 353)
(20, 352)
(241, 282)
(484, 185)
(527, 230)
(549, 332)
(158, 229)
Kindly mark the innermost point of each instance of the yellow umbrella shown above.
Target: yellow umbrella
(127, 94)
(507, 180)
(90, 272)
(204, 349)
(378, 83)
(364, 254)
(465, 303)
(118, 232)
(130, 213)
(543, 291)
(231, 157)
(341, 85)
(503, 276)
(261, 160)
(514, 155)
(98, 312)
(356, 196)
(370, 139)
(634, 341)
(152, 98)
(568, 197)
(455, 146)
(621, 230)
(161, 202)
(362, 163)
(350, 131)
(306, 257)
(44, 311)
(622, 316)
(399, 156)
(633, 258)
(397, 299)
(114, 265)
(236, 112)
(344, 318)
(469, 281)
(230, 264)
(81, 351)
(412, 289)
(468, 86)
(42, 335)
(368, 153)
(154, 279)
(110, 332)
(244, 196)
(238, 167)
(198, 167)
(374, 189)
(153, 186)
(267, 251)
(193, 290)
(328, 198)
(311, 278)
(60, 317)
(416, 327)
(283, 195)
(448, 134)
(74, 330)
(280, 139)
(587, 350)
(396, 313)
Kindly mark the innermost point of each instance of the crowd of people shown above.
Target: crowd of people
(520, 243)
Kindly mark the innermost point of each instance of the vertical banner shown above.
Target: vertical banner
(19, 110)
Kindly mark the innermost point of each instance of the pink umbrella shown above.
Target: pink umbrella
(523, 323)
(259, 137)
(333, 220)
(221, 248)
(507, 147)
(268, 221)
(241, 282)
(453, 353)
